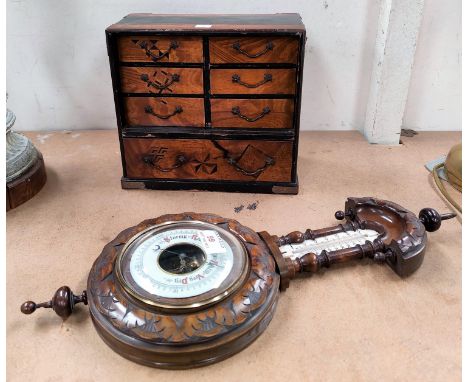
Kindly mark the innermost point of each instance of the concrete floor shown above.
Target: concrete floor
(356, 323)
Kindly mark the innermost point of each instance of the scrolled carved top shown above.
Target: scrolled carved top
(401, 225)
(401, 230)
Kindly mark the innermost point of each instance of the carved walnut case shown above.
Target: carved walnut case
(178, 326)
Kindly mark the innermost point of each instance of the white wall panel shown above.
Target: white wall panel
(58, 73)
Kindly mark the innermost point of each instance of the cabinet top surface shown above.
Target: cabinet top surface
(286, 22)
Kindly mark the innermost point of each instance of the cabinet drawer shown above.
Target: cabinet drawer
(160, 49)
(161, 80)
(252, 113)
(253, 81)
(245, 160)
(173, 111)
(253, 50)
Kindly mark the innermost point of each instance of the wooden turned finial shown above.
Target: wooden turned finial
(432, 220)
(340, 215)
(62, 303)
(292, 237)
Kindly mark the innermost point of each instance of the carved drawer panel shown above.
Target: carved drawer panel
(253, 81)
(166, 111)
(253, 50)
(252, 113)
(161, 80)
(245, 160)
(160, 49)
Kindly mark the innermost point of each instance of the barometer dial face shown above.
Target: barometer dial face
(187, 264)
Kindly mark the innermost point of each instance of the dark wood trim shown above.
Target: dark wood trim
(272, 65)
(162, 64)
(206, 81)
(241, 23)
(195, 132)
(298, 102)
(162, 95)
(259, 33)
(23, 188)
(115, 76)
(254, 96)
(212, 66)
(290, 188)
(230, 96)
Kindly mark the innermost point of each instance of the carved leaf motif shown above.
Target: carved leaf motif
(191, 327)
(208, 325)
(225, 316)
(107, 302)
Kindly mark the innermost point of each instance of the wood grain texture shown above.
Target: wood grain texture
(161, 80)
(184, 63)
(285, 22)
(20, 190)
(283, 81)
(132, 49)
(280, 114)
(140, 111)
(271, 49)
(208, 159)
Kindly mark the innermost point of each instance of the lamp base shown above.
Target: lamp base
(23, 188)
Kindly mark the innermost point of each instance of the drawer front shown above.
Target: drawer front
(161, 80)
(253, 81)
(160, 49)
(253, 50)
(205, 159)
(173, 111)
(252, 113)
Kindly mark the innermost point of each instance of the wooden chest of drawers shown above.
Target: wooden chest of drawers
(209, 102)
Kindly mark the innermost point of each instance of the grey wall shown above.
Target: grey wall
(58, 75)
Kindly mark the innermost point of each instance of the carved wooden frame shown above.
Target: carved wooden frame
(157, 338)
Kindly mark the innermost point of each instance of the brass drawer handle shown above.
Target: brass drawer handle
(269, 161)
(267, 77)
(236, 111)
(269, 46)
(145, 46)
(153, 158)
(207, 165)
(174, 78)
(177, 110)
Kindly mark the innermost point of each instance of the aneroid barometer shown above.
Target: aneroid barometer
(191, 289)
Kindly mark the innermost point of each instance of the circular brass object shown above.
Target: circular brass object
(184, 331)
(190, 286)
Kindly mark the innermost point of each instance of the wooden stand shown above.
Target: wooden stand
(26, 186)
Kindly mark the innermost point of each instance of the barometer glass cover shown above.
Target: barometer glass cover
(182, 264)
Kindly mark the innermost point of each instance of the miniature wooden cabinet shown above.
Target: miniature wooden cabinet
(208, 102)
